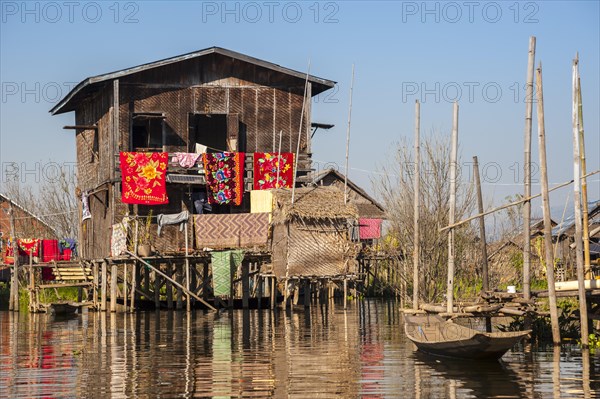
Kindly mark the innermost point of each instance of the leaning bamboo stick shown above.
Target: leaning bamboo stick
(546, 209)
(417, 205)
(300, 133)
(577, 213)
(522, 200)
(527, 171)
(453, 160)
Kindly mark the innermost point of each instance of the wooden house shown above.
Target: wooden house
(217, 98)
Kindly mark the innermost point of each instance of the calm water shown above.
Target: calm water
(324, 353)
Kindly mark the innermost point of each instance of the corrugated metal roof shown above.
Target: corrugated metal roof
(62, 105)
(569, 222)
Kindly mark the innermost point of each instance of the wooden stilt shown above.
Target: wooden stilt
(307, 293)
(345, 293)
(104, 286)
(125, 275)
(156, 289)
(169, 289)
(179, 279)
(113, 287)
(245, 284)
(134, 274)
(95, 286)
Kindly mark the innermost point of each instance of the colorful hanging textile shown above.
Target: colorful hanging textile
(9, 253)
(143, 177)
(224, 177)
(224, 264)
(266, 165)
(50, 251)
(28, 246)
(369, 228)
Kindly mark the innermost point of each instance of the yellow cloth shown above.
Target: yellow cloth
(261, 201)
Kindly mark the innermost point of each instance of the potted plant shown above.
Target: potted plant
(144, 243)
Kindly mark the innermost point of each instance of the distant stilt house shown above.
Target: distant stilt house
(563, 237)
(370, 212)
(213, 100)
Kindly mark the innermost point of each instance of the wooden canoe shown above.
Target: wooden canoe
(434, 335)
(62, 308)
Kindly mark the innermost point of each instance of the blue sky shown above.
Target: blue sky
(436, 52)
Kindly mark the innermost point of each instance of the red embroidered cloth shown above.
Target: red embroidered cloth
(224, 177)
(143, 177)
(369, 228)
(28, 246)
(265, 170)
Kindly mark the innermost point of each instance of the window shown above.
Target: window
(147, 132)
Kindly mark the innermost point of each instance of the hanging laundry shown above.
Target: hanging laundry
(118, 240)
(261, 201)
(175, 218)
(269, 166)
(68, 248)
(201, 148)
(9, 252)
(224, 264)
(224, 177)
(28, 246)
(185, 159)
(200, 201)
(85, 207)
(369, 228)
(50, 251)
(143, 177)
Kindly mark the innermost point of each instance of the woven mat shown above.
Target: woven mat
(224, 264)
(231, 230)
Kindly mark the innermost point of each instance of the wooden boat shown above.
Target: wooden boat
(434, 335)
(61, 308)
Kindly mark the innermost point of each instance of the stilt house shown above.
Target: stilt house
(218, 99)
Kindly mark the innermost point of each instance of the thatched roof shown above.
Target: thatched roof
(311, 203)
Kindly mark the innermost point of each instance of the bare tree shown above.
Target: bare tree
(53, 201)
(395, 187)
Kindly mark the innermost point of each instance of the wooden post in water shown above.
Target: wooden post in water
(104, 285)
(245, 284)
(453, 177)
(417, 206)
(13, 303)
(482, 238)
(113, 287)
(583, 314)
(546, 209)
(527, 171)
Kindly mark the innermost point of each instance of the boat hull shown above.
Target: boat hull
(436, 336)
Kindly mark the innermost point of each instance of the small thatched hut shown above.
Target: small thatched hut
(310, 238)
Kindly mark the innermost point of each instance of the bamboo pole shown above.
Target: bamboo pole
(584, 196)
(13, 304)
(300, 134)
(546, 208)
(482, 237)
(278, 159)
(527, 171)
(483, 245)
(522, 200)
(583, 314)
(348, 139)
(453, 160)
(103, 286)
(188, 304)
(113, 287)
(417, 206)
